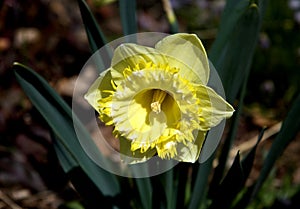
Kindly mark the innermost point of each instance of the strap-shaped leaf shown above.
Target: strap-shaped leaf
(93, 31)
(83, 184)
(170, 189)
(288, 131)
(144, 185)
(59, 117)
(159, 197)
(230, 186)
(199, 191)
(66, 159)
(95, 36)
(247, 165)
(234, 47)
(220, 169)
(182, 170)
(242, 23)
(235, 179)
(247, 162)
(128, 16)
(233, 11)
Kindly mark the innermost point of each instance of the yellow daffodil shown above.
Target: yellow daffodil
(157, 99)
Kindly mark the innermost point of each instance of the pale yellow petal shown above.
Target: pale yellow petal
(213, 107)
(132, 157)
(95, 92)
(186, 52)
(132, 55)
(190, 151)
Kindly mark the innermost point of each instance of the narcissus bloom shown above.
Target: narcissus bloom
(158, 100)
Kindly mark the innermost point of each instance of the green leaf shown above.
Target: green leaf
(145, 191)
(247, 164)
(66, 159)
(233, 11)
(200, 187)
(288, 131)
(219, 170)
(239, 30)
(182, 171)
(88, 190)
(159, 197)
(170, 189)
(59, 117)
(234, 47)
(95, 36)
(230, 186)
(128, 16)
(144, 185)
(235, 179)
(93, 31)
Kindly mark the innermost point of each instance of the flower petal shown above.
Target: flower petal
(95, 92)
(131, 55)
(213, 107)
(129, 157)
(190, 151)
(186, 52)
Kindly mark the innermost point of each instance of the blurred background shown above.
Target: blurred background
(49, 37)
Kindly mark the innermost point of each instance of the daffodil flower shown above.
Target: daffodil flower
(158, 100)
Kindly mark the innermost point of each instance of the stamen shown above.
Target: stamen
(157, 100)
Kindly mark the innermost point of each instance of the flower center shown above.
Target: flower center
(157, 99)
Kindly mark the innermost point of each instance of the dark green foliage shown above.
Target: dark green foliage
(94, 33)
(128, 16)
(231, 54)
(59, 117)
